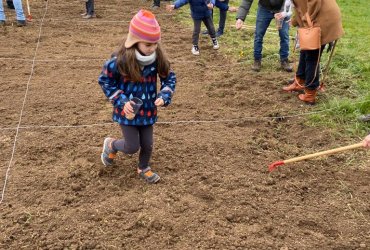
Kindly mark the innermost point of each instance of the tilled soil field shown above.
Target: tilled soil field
(212, 149)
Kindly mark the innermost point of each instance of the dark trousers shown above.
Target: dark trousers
(309, 67)
(135, 138)
(157, 3)
(222, 21)
(90, 7)
(209, 25)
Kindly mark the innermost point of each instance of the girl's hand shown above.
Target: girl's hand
(210, 6)
(128, 108)
(366, 142)
(170, 7)
(239, 24)
(159, 102)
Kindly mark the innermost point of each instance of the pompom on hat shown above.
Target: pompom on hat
(143, 28)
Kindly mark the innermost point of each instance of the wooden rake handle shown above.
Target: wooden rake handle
(305, 157)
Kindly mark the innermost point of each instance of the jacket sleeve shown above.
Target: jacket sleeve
(180, 3)
(109, 80)
(313, 8)
(222, 5)
(244, 9)
(168, 85)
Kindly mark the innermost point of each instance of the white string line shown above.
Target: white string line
(102, 60)
(23, 105)
(188, 121)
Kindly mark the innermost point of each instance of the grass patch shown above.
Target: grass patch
(348, 81)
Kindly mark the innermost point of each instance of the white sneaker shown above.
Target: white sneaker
(195, 50)
(215, 44)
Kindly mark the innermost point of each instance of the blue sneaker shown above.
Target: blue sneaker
(219, 33)
(148, 175)
(205, 32)
(108, 154)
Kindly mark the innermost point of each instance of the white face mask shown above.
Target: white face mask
(145, 60)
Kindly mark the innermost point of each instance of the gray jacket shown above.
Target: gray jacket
(272, 5)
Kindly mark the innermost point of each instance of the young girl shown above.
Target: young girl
(132, 72)
(200, 12)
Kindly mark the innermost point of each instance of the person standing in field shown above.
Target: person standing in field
(265, 13)
(323, 13)
(132, 73)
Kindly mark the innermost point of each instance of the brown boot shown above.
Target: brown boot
(297, 85)
(308, 96)
(257, 65)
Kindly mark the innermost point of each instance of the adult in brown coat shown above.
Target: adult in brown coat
(323, 13)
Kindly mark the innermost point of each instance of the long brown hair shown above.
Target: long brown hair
(129, 67)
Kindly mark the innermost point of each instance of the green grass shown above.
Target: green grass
(348, 82)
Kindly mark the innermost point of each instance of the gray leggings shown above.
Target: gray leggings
(135, 138)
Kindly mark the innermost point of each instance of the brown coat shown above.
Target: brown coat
(323, 13)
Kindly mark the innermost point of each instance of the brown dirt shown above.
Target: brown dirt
(215, 192)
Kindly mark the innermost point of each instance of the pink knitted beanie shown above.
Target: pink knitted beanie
(143, 28)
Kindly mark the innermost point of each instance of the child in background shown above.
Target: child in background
(223, 6)
(90, 11)
(200, 12)
(132, 72)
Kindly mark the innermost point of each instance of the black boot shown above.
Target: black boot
(286, 66)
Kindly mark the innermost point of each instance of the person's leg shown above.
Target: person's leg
(196, 31)
(2, 13)
(301, 69)
(205, 32)
(297, 84)
(263, 20)
(312, 69)
(146, 145)
(90, 7)
(222, 21)
(312, 80)
(284, 46)
(130, 143)
(208, 22)
(19, 10)
(284, 40)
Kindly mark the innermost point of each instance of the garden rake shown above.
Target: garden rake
(326, 69)
(29, 17)
(274, 165)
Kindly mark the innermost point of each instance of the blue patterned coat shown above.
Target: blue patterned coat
(120, 90)
(198, 8)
